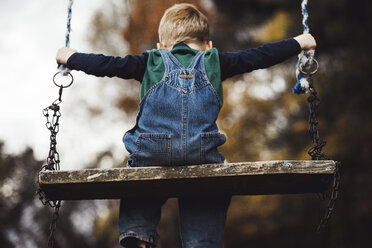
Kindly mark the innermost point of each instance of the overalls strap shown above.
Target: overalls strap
(175, 64)
(197, 62)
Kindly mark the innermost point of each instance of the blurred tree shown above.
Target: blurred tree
(24, 221)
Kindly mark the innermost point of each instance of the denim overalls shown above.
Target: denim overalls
(176, 125)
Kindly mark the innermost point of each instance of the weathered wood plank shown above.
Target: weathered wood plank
(246, 178)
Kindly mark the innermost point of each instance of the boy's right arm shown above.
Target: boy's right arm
(128, 67)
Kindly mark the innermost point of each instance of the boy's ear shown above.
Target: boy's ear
(209, 45)
(159, 46)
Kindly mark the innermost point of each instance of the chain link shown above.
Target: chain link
(316, 153)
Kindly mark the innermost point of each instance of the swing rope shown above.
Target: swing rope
(306, 64)
(62, 68)
(52, 114)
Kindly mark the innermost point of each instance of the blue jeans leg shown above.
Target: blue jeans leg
(202, 221)
(138, 218)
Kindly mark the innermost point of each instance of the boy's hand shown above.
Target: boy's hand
(63, 54)
(306, 41)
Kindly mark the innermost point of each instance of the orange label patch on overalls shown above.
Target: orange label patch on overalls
(186, 76)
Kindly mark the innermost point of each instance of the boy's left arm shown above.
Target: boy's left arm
(234, 63)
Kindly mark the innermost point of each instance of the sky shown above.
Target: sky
(31, 32)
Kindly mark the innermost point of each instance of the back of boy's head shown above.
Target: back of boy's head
(183, 23)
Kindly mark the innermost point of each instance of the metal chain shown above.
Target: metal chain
(332, 199)
(53, 225)
(316, 152)
(52, 114)
(53, 160)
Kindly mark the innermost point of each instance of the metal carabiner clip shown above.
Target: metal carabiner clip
(309, 68)
(64, 74)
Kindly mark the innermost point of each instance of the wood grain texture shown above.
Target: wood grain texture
(246, 178)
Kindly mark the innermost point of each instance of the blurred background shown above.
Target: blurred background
(263, 120)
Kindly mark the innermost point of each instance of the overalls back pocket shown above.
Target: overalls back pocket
(153, 149)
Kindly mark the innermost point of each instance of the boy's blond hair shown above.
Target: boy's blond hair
(183, 23)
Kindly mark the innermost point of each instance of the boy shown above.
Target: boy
(181, 96)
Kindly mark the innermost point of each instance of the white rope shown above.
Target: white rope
(63, 69)
(304, 58)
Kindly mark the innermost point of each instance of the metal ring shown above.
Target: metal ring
(61, 85)
(309, 66)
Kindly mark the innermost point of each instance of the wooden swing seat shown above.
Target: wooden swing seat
(246, 178)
